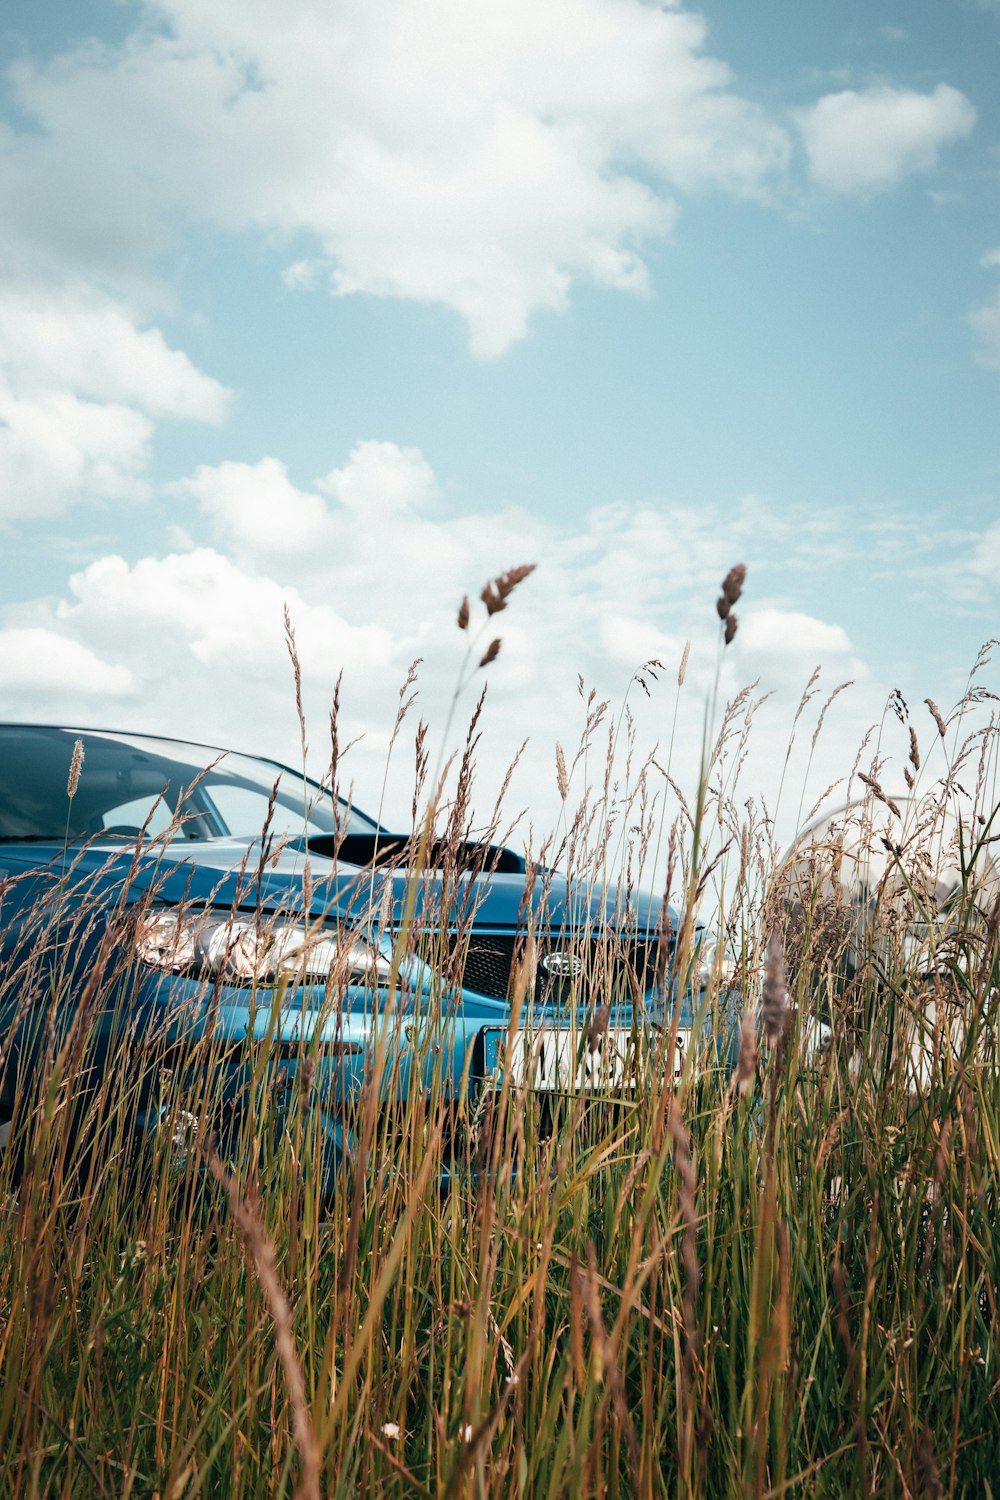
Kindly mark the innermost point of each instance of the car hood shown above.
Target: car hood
(230, 873)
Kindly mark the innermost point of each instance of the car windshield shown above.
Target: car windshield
(128, 783)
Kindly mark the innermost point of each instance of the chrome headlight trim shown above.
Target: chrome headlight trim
(710, 961)
(246, 950)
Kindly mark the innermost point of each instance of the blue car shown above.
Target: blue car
(176, 894)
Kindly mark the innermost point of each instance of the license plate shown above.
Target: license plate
(552, 1059)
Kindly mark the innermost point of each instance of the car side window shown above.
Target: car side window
(132, 815)
(243, 810)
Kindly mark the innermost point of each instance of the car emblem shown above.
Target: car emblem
(562, 965)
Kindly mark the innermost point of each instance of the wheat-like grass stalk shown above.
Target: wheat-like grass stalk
(688, 1288)
(265, 1264)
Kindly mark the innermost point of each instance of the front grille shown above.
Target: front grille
(488, 964)
(620, 968)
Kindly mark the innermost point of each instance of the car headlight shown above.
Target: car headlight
(709, 960)
(248, 950)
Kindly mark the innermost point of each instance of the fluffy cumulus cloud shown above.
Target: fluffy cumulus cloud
(381, 477)
(777, 637)
(191, 640)
(258, 508)
(866, 141)
(457, 152)
(480, 157)
(39, 665)
(81, 387)
(55, 448)
(92, 345)
(200, 605)
(258, 512)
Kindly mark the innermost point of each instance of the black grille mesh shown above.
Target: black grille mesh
(485, 963)
(487, 966)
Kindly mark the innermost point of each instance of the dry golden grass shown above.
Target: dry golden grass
(774, 1275)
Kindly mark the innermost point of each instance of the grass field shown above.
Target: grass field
(778, 1282)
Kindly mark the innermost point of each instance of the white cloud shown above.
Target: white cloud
(37, 664)
(382, 480)
(485, 158)
(80, 388)
(628, 642)
(258, 513)
(865, 142)
(91, 345)
(256, 508)
(372, 518)
(228, 619)
(55, 448)
(457, 152)
(372, 578)
(780, 644)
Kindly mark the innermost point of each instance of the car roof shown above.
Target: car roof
(141, 734)
(163, 739)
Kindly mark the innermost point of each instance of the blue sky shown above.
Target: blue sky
(352, 306)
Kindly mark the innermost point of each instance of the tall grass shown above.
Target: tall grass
(775, 1281)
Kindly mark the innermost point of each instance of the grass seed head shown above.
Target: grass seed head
(491, 653)
(914, 749)
(774, 994)
(732, 588)
(562, 780)
(746, 1063)
(498, 590)
(732, 584)
(936, 716)
(463, 613)
(598, 1027)
(876, 790)
(75, 767)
